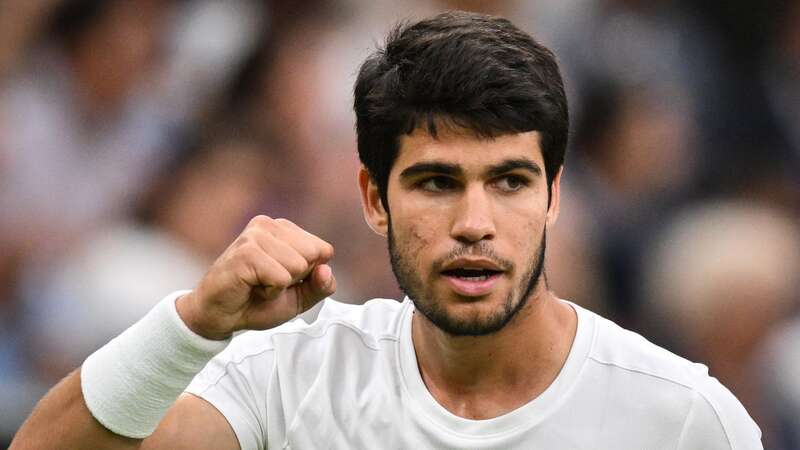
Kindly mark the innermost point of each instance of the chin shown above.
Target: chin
(469, 316)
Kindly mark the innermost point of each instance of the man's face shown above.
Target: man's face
(467, 226)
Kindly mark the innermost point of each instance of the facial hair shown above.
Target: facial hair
(410, 282)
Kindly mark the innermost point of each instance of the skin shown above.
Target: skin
(425, 299)
(275, 270)
(470, 208)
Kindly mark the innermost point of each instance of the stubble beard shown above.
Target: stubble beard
(411, 284)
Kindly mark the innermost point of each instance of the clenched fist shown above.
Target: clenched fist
(272, 272)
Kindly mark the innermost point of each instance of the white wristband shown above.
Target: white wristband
(129, 383)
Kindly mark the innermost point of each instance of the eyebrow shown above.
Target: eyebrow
(454, 170)
(431, 167)
(514, 164)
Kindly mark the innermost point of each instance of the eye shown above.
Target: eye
(511, 183)
(437, 184)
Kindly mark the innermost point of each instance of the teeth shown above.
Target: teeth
(480, 278)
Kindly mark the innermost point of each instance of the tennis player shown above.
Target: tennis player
(462, 125)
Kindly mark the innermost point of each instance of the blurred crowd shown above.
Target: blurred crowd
(137, 138)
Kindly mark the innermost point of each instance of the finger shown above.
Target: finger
(259, 269)
(293, 261)
(295, 300)
(320, 284)
(312, 247)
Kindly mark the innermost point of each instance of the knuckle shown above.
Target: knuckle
(285, 222)
(260, 220)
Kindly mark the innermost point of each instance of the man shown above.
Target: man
(462, 126)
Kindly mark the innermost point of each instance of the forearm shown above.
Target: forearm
(61, 420)
(124, 389)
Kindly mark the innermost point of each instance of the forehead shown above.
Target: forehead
(464, 148)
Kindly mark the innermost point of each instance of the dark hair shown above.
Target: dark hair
(461, 69)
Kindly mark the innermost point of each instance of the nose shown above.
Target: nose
(473, 220)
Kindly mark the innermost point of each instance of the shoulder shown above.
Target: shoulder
(378, 318)
(270, 373)
(671, 385)
(370, 323)
(363, 326)
(626, 350)
(300, 349)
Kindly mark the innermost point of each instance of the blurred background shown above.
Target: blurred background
(138, 138)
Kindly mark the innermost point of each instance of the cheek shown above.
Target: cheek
(419, 238)
(524, 232)
(413, 238)
(525, 239)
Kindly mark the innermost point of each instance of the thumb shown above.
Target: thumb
(318, 285)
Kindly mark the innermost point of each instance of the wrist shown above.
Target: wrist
(186, 307)
(130, 382)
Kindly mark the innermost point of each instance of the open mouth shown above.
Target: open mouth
(473, 277)
(472, 282)
(471, 274)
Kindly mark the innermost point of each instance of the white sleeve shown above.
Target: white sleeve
(236, 383)
(717, 421)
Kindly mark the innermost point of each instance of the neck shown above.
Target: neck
(485, 376)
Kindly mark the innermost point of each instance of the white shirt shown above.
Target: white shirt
(350, 381)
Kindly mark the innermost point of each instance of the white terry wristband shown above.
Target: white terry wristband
(129, 383)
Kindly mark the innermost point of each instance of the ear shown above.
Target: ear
(375, 214)
(555, 198)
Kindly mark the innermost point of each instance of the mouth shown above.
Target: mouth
(472, 282)
(471, 274)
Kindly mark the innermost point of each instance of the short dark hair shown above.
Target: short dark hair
(461, 69)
